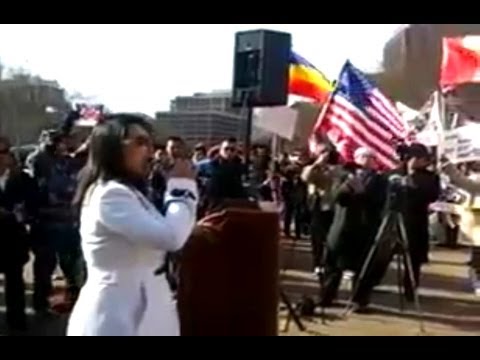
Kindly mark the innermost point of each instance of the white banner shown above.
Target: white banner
(427, 137)
(462, 144)
(407, 114)
(279, 120)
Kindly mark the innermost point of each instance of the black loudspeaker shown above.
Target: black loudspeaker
(261, 65)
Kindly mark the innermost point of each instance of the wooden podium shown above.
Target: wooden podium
(229, 275)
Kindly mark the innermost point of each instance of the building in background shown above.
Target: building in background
(203, 117)
(24, 104)
(411, 62)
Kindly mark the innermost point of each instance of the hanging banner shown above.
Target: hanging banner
(89, 115)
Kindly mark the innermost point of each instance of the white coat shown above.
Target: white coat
(124, 240)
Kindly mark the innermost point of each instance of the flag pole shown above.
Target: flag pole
(324, 108)
(323, 111)
(443, 110)
(455, 120)
(439, 101)
(318, 123)
(321, 114)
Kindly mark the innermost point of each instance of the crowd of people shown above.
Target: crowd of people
(66, 201)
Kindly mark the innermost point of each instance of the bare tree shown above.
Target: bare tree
(23, 102)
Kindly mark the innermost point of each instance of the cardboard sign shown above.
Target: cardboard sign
(462, 144)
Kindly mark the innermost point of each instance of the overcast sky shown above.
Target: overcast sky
(142, 67)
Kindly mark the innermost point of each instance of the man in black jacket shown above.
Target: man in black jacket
(225, 176)
(56, 235)
(17, 197)
(422, 189)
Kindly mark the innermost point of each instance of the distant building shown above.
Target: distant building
(411, 60)
(217, 100)
(204, 117)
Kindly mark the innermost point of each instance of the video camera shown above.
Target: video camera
(398, 182)
(396, 191)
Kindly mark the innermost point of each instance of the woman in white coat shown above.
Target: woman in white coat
(124, 238)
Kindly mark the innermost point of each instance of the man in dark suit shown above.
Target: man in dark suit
(359, 197)
(16, 204)
(422, 189)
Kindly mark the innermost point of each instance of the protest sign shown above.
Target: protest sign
(279, 120)
(462, 144)
(445, 207)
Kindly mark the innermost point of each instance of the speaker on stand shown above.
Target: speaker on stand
(260, 79)
(260, 76)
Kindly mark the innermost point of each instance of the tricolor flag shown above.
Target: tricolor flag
(307, 81)
(460, 61)
(357, 115)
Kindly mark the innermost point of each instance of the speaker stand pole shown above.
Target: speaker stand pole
(248, 142)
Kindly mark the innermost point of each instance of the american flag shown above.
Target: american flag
(359, 115)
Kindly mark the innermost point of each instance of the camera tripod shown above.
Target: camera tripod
(392, 225)
(292, 312)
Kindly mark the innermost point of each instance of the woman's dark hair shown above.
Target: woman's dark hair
(105, 157)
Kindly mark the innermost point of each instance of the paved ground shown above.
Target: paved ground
(38, 326)
(449, 308)
(447, 302)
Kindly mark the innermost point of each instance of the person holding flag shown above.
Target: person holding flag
(358, 119)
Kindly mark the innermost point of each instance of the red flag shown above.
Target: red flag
(460, 61)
